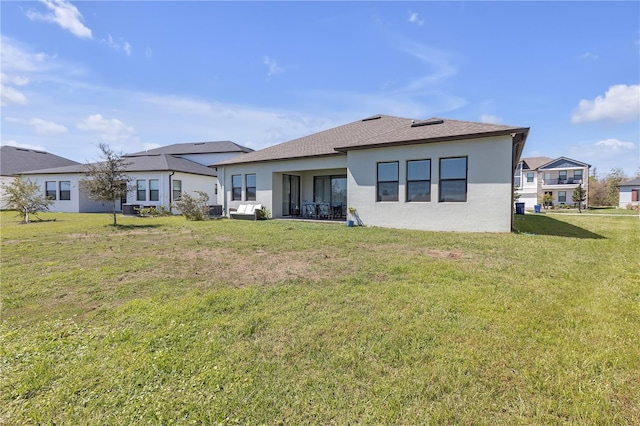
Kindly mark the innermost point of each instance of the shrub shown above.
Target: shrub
(194, 208)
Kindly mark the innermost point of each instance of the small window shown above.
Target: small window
(251, 187)
(562, 196)
(387, 181)
(65, 190)
(453, 179)
(50, 190)
(141, 187)
(517, 177)
(577, 176)
(419, 180)
(562, 176)
(177, 190)
(530, 177)
(154, 190)
(236, 187)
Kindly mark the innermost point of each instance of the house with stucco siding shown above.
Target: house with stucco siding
(436, 174)
(629, 193)
(159, 177)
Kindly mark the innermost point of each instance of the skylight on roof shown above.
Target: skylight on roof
(426, 123)
(375, 117)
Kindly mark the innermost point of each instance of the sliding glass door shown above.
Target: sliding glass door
(290, 195)
(332, 190)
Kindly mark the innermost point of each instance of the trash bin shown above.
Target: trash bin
(519, 208)
(536, 208)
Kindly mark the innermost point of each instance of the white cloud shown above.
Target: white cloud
(272, 66)
(488, 118)
(112, 130)
(620, 103)
(589, 55)
(11, 96)
(118, 45)
(64, 14)
(24, 145)
(415, 19)
(615, 145)
(43, 127)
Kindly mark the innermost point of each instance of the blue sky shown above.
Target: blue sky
(138, 75)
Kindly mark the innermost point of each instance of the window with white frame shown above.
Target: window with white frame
(418, 180)
(50, 190)
(141, 190)
(65, 190)
(517, 177)
(251, 187)
(176, 190)
(453, 179)
(236, 187)
(562, 196)
(154, 190)
(387, 181)
(530, 176)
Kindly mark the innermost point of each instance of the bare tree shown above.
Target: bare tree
(25, 197)
(106, 180)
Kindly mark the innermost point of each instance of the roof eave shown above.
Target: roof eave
(269, 160)
(522, 130)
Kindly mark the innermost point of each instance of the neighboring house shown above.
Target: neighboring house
(159, 177)
(629, 193)
(16, 161)
(436, 174)
(559, 177)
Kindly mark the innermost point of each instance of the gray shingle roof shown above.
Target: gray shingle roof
(379, 130)
(15, 160)
(532, 163)
(195, 148)
(632, 182)
(147, 163)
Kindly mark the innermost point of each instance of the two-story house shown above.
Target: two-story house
(537, 176)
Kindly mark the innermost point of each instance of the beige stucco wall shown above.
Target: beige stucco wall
(489, 194)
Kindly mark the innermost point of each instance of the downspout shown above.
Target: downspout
(170, 189)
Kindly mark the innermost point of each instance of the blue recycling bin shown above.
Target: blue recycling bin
(519, 208)
(536, 208)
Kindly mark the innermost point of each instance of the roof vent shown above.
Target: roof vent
(375, 117)
(426, 122)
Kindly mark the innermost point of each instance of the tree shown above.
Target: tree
(194, 208)
(615, 177)
(26, 197)
(106, 180)
(579, 196)
(547, 200)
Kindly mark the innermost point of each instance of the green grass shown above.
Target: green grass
(164, 321)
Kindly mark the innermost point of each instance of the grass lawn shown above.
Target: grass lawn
(164, 321)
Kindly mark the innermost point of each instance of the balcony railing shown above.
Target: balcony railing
(568, 181)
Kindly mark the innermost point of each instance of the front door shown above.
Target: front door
(290, 195)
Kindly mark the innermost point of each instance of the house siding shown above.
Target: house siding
(489, 189)
(269, 179)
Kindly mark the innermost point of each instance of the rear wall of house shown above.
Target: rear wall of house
(489, 196)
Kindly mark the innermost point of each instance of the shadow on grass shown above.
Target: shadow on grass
(544, 225)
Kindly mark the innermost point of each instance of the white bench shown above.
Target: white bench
(247, 212)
